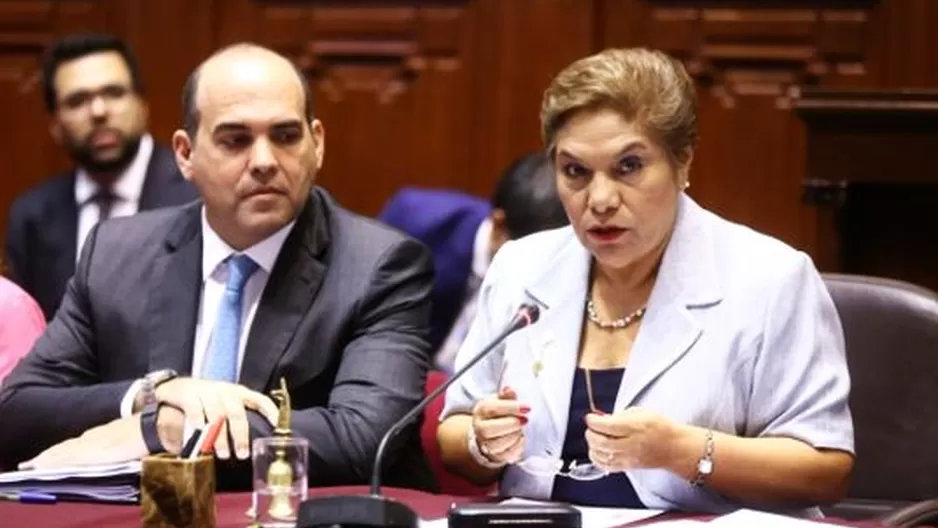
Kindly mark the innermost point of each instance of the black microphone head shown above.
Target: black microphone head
(528, 314)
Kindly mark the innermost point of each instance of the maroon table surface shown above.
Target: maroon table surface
(232, 508)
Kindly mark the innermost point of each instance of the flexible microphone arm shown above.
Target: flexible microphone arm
(527, 315)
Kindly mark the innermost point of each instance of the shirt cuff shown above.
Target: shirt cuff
(127, 404)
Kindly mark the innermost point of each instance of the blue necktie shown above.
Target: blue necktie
(221, 362)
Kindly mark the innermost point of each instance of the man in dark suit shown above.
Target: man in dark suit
(93, 93)
(465, 232)
(182, 316)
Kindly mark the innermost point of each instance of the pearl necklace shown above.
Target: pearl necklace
(622, 322)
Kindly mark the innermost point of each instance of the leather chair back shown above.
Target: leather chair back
(891, 333)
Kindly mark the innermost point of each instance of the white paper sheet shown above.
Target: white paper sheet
(593, 517)
(676, 523)
(102, 483)
(72, 472)
(747, 518)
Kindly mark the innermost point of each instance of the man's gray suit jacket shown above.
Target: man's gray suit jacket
(343, 318)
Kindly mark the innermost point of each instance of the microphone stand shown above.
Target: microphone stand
(374, 510)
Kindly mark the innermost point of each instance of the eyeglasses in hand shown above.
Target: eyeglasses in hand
(543, 466)
(547, 467)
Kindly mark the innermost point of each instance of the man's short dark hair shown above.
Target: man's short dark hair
(80, 45)
(190, 110)
(528, 195)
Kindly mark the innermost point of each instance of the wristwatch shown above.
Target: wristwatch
(151, 407)
(705, 464)
(151, 435)
(151, 381)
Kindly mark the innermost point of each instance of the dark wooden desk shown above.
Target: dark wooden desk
(231, 511)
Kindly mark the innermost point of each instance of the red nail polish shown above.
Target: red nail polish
(525, 409)
(524, 420)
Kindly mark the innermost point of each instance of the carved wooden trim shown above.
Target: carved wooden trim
(876, 123)
(762, 48)
(25, 31)
(362, 3)
(911, 102)
(376, 47)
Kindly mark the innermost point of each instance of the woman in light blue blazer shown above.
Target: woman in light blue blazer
(681, 361)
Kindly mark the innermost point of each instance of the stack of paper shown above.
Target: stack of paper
(118, 483)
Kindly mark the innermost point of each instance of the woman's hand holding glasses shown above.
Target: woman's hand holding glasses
(633, 438)
(498, 425)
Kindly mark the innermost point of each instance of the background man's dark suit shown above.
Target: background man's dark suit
(343, 317)
(42, 230)
(447, 222)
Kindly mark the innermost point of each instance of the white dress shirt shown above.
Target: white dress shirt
(481, 251)
(126, 189)
(215, 253)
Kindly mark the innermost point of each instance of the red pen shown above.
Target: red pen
(206, 445)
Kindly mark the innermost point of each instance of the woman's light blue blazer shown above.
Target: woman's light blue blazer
(740, 335)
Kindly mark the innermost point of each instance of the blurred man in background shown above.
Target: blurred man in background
(94, 95)
(464, 233)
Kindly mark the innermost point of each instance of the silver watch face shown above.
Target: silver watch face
(159, 376)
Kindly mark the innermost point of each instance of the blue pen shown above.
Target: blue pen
(29, 497)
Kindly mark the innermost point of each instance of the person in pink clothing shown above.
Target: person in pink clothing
(21, 323)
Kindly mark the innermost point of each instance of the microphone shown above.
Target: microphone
(373, 510)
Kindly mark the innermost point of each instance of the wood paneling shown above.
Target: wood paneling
(27, 154)
(747, 57)
(389, 83)
(447, 92)
(874, 205)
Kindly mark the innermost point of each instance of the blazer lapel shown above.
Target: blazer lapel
(687, 280)
(153, 181)
(554, 342)
(290, 291)
(62, 231)
(161, 180)
(174, 304)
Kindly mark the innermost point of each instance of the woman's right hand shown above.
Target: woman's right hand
(498, 424)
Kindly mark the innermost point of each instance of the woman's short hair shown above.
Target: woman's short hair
(647, 87)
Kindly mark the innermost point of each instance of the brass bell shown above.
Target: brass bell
(280, 472)
(280, 484)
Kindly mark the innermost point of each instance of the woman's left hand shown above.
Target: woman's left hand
(630, 439)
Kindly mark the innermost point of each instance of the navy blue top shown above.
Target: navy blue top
(614, 490)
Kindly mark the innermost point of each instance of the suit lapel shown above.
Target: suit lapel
(687, 280)
(62, 229)
(667, 333)
(163, 184)
(154, 181)
(291, 289)
(175, 301)
(554, 342)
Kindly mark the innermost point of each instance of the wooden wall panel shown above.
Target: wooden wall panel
(903, 44)
(519, 45)
(447, 92)
(390, 82)
(746, 59)
(27, 154)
